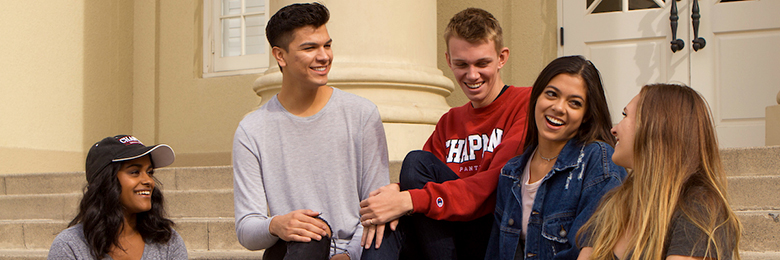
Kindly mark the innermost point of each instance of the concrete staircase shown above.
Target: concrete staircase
(754, 191)
(34, 208)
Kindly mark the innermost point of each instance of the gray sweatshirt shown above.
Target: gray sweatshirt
(71, 244)
(327, 162)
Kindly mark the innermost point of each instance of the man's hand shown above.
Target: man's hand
(384, 205)
(300, 225)
(379, 230)
(340, 257)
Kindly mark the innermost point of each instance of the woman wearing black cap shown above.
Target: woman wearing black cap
(121, 215)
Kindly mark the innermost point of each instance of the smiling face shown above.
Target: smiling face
(135, 177)
(560, 108)
(308, 57)
(624, 132)
(476, 66)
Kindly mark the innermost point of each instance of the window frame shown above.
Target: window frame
(214, 65)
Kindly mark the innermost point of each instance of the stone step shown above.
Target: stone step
(201, 234)
(40, 254)
(754, 192)
(200, 203)
(747, 255)
(23, 254)
(181, 178)
(225, 255)
(746, 193)
(395, 169)
(751, 161)
(208, 233)
(241, 255)
(42, 183)
(29, 234)
(187, 203)
(173, 178)
(761, 233)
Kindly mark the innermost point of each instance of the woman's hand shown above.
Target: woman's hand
(384, 205)
(378, 230)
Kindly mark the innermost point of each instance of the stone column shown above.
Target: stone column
(384, 51)
(773, 123)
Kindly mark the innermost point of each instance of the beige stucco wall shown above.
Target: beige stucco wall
(773, 123)
(77, 71)
(196, 116)
(65, 77)
(529, 32)
(108, 70)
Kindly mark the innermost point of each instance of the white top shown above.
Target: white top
(529, 194)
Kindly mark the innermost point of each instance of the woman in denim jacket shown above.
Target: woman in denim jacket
(546, 194)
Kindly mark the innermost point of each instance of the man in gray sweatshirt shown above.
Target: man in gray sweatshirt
(303, 161)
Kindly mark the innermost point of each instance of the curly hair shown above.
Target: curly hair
(102, 214)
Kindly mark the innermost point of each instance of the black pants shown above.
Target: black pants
(420, 237)
(284, 250)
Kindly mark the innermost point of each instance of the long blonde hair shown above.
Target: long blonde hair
(676, 167)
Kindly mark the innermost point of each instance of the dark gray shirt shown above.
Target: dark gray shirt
(685, 239)
(71, 244)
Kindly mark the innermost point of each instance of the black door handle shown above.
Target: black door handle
(677, 44)
(698, 42)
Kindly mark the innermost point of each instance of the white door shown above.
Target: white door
(739, 64)
(629, 41)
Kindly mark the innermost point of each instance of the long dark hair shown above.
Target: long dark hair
(102, 215)
(596, 124)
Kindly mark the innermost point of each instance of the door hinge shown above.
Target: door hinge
(561, 36)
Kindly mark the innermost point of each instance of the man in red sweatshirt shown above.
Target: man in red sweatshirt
(446, 192)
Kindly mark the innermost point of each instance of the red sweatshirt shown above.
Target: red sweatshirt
(467, 140)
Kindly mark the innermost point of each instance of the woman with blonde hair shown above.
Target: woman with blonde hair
(673, 203)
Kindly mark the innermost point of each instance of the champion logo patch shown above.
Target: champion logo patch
(128, 140)
(439, 202)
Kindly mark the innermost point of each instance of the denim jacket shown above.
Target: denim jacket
(565, 200)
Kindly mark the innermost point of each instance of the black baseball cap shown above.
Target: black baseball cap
(124, 148)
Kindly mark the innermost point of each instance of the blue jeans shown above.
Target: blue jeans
(420, 237)
(291, 250)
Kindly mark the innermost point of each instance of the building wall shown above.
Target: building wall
(108, 71)
(196, 116)
(65, 79)
(77, 71)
